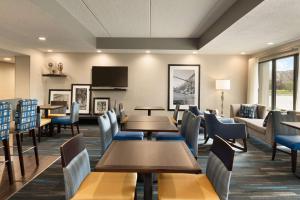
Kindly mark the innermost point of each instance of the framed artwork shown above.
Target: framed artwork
(81, 94)
(60, 95)
(183, 86)
(101, 105)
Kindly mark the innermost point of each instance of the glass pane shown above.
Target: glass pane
(284, 83)
(265, 83)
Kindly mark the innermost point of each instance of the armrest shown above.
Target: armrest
(232, 131)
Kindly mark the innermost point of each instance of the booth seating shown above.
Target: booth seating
(5, 113)
(212, 186)
(25, 122)
(82, 184)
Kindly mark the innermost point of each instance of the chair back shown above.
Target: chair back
(195, 110)
(175, 114)
(5, 112)
(62, 110)
(74, 116)
(113, 122)
(219, 166)
(184, 122)
(26, 115)
(211, 122)
(192, 132)
(76, 164)
(277, 127)
(105, 132)
(13, 103)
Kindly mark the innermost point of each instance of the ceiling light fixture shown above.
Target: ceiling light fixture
(99, 51)
(42, 38)
(50, 50)
(7, 59)
(270, 43)
(148, 51)
(243, 53)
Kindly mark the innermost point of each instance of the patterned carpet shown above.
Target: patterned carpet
(255, 176)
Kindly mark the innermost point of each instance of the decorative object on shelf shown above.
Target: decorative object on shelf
(183, 86)
(81, 94)
(101, 105)
(60, 67)
(50, 66)
(222, 85)
(60, 95)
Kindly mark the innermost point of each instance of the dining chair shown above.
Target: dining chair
(214, 185)
(5, 118)
(69, 120)
(106, 137)
(285, 135)
(25, 122)
(123, 118)
(81, 183)
(175, 114)
(61, 112)
(122, 135)
(41, 123)
(192, 133)
(229, 131)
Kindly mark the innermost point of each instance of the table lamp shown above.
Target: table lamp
(222, 85)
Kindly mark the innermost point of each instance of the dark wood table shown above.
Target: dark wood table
(138, 118)
(147, 157)
(149, 108)
(48, 107)
(150, 125)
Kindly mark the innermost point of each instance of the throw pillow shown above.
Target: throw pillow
(248, 111)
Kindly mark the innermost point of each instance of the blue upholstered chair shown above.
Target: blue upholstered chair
(285, 135)
(105, 132)
(5, 113)
(70, 120)
(228, 131)
(122, 135)
(192, 133)
(214, 185)
(25, 122)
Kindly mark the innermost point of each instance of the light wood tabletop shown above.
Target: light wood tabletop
(295, 125)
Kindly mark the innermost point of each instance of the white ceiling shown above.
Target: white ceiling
(274, 21)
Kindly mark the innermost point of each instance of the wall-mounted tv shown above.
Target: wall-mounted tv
(109, 76)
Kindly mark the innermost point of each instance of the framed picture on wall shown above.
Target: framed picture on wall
(101, 105)
(81, 94)
(60, 95)
(183, 86)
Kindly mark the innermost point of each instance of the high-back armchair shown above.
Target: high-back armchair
(228, 131)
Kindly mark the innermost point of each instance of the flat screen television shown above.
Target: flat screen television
(109, 76)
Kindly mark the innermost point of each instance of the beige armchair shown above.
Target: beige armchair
(235, 110)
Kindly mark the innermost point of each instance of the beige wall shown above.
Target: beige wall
(148, 76)
(7, 77)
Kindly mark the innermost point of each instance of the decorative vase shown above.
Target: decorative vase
(50, 65)
(60, 67)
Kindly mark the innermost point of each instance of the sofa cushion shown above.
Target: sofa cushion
(248, 111)
(256, 124)
(261, 111)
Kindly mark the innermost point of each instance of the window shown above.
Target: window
(277, 83)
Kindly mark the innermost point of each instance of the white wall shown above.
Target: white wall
(7, 77)
(148, 77)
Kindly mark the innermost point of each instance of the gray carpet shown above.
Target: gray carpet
(255, 176)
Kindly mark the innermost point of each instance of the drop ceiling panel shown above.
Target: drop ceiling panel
(122, 18)
(271, 21)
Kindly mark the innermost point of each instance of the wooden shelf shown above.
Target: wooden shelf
(54, 75)
(108, 89)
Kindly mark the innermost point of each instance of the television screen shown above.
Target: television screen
(109, 76)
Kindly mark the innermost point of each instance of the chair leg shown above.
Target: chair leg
(8, 161)
(245, 144)
(58, 128)
(35, 148)
(274, 147)
(206, 139)
(72, 129)
(294, 160)
(20, 153)
(39, 133)
(77, 125)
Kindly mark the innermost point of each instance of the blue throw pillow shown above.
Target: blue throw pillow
(248, 111)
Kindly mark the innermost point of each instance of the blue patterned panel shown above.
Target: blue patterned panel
(248, 111)
(26, 115)
(5, 111)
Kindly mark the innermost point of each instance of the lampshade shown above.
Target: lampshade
(223, 84)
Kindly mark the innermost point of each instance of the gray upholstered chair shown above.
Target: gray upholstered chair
(122, 135)
(228, 131)
(81, 183)
(192, 132)
(105, 132)
(285, 135)
(213, 186)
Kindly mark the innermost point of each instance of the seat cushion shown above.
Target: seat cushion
(168, 136)
(185, 186)
(107, 186)
(290, 141)
(61, 120)
(127, 135)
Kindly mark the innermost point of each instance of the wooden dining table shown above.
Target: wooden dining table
(48, 107)
(149, 108)
(148, 157)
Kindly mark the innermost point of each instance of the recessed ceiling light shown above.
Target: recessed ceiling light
(7, 59)
(194, 52)
(99, 51)
(148, 51)
(42, 38)
(270, 43)
(243, 53)
(50, 50)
